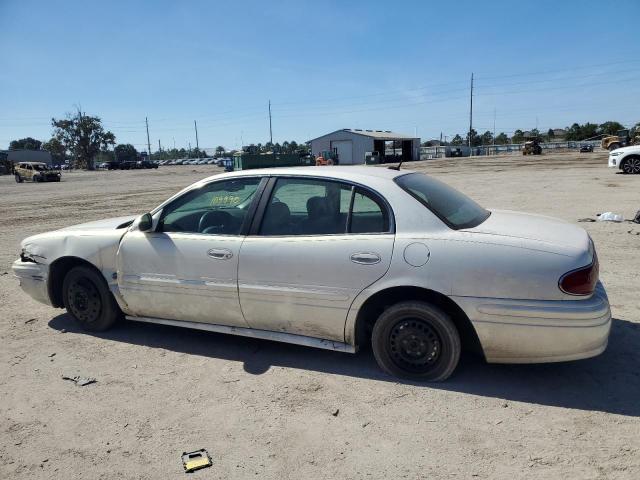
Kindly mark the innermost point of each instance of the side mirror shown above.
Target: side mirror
(146, 223)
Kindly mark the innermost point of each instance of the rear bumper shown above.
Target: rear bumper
(538, 331)
(33, 279)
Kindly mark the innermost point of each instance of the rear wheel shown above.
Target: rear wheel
(18, 178)
(614, 146)
(417, 341)
(87, 298)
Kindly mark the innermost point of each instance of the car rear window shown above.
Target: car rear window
(452, 207)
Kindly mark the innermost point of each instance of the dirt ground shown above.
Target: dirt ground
(274, 411)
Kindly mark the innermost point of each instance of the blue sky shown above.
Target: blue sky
(401, 65)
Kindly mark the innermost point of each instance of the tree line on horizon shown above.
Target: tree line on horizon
(83, 139)
(576, 132)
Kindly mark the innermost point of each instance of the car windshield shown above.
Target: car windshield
(452, 207)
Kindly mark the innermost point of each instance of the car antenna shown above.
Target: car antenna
(397, 167)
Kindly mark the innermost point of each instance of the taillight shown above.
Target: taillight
(581, 281)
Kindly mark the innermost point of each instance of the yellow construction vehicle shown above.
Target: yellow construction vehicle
(622, 139)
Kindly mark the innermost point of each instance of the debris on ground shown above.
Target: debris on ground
(51, 355)
(30, 321)
(587, 219)
(335, 414)
(610, 217)
(80, 381)
(636, 219)
(192, 461)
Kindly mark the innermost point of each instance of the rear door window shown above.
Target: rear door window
(304, 206)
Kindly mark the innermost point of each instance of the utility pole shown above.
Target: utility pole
(197, 144)
(148, 141)
(471, 111)
(159, 147)
(270, 130)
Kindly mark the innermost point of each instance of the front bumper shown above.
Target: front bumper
(614, 161)
(539, 331)
(33, 279)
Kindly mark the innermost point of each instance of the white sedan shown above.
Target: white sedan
(336, 258)
(626, 159)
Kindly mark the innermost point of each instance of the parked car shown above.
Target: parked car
(586, 148)
(146, 164)
(626, 159)
(336, 258)
(128, 165)
(36, 172)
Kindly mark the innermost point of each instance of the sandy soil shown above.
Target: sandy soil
(267, 410)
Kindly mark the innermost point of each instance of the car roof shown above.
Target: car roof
(355, 173)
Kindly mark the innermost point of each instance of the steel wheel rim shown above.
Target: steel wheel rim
(84, 300)
(414, 345)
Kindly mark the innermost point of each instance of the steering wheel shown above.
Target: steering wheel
(215, 221)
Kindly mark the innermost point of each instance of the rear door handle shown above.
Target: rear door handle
(365, 258)
(220, 253)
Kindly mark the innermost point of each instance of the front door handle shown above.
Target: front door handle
(365, 258)
(220, 253)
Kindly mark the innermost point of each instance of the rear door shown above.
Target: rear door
(314, 246)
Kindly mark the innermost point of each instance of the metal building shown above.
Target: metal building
(351, 145)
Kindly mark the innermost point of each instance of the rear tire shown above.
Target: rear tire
(416, 341)
(88, 300)
(18, 178)
(614, 146)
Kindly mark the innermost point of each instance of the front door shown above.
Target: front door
(187, 268)
(318, 245)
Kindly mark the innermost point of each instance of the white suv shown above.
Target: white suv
(626, 159)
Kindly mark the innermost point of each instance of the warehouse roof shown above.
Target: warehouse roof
(377, 134)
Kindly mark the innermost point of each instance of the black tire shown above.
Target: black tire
(416, 341)
(631, 165)
(18, 178)
(88, 300)
(614, 146)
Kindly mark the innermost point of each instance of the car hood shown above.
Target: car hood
(106, 224)
(625, 150)
(533, 228)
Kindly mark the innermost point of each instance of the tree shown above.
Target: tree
(125, 152)
(457, 140)
(25, 144)
(475, 138)
(501, 139)
(219, 150)
(518, 136)
(487, 138)
(550, 134)
(610, 128)
(56, 149)
(83, 136)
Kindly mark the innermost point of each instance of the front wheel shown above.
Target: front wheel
(87, 298)
(631, 165)
(416, 341)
